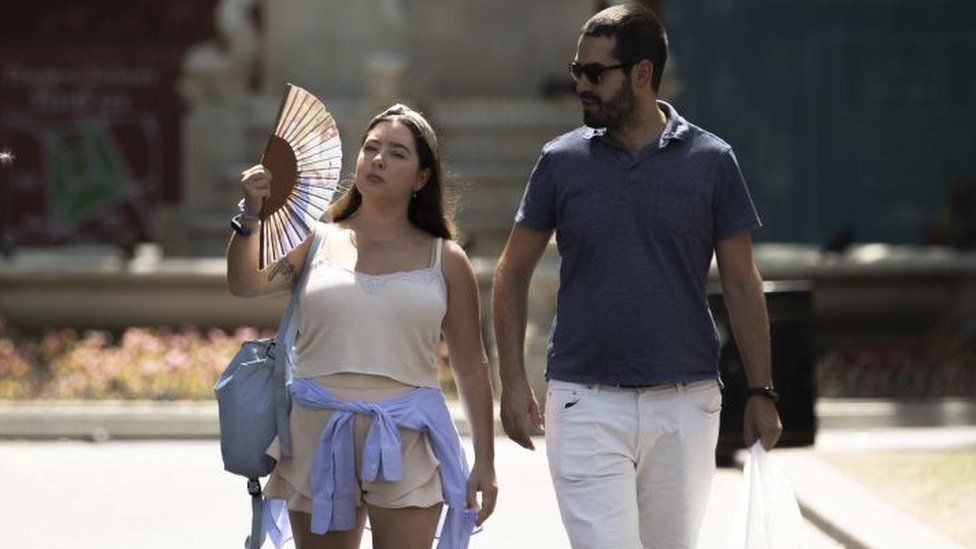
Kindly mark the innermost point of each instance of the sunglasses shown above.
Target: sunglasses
(594, 71)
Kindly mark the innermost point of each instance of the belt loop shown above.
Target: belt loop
(682, 387)
(594, 388)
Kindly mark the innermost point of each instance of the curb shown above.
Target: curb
(871, 413)
(105, 420)
(147, 419)
(817, 487)
(119, 419)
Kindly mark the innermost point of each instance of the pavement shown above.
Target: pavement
(163, 494)
(84, 463)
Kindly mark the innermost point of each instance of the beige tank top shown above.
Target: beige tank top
(387, 324)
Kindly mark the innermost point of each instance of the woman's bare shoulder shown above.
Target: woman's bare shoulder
(455, 264)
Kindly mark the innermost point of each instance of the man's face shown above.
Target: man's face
(608, 103)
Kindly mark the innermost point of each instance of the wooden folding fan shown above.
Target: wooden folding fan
(304, 156)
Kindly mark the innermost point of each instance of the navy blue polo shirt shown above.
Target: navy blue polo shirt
(636, 236)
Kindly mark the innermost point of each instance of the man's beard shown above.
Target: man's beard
(612, 114)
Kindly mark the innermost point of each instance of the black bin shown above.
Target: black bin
(790, 306)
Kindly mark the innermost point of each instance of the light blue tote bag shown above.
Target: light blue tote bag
(253, 402)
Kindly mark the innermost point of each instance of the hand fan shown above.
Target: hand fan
(304, 156)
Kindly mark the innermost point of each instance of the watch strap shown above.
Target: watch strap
(766, 392)
(239, 228)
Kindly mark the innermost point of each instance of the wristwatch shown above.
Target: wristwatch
(243, 216)
(239, 228)
(766, 392)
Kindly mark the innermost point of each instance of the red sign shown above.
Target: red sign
(90, 119)
(95, 147)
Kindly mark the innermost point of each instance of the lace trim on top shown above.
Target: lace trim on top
(374, 283)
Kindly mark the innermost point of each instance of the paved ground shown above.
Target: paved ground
(848, 509)
(158, 494)
(172, 493)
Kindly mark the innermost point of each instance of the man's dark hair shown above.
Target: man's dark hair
(639, 33)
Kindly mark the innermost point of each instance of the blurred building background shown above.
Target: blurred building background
(853, 121)
(129, 125)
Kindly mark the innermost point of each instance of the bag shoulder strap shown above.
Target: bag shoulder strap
(287, 327)
(285, 339)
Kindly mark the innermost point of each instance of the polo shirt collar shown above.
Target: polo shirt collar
(675, 129)
(677, 126)
(590, 133)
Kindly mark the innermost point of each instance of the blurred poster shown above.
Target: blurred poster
(90, 119)
(95, 148)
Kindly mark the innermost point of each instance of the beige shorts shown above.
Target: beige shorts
(421, 482)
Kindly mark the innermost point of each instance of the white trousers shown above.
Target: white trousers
(632, 468)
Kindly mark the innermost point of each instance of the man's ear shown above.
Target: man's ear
(645, 70)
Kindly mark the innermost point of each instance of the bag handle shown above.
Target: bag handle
(285, 340)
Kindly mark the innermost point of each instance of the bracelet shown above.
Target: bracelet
(246, 215)
(235, 223)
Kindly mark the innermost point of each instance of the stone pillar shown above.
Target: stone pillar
(215, 139)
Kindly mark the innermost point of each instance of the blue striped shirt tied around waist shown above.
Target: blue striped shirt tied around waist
(333, 482)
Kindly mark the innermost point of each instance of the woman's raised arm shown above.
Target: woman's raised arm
(243, 277)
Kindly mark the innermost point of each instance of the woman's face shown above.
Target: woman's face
(388, 166)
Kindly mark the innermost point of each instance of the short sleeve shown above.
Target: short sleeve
(734, 210)
(537, 210)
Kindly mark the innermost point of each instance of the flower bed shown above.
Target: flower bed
(166, 364)
(907, 368)
(138, 364)
(141, 363)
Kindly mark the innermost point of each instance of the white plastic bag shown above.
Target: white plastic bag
(768, 516)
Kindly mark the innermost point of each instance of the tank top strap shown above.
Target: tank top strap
(324, 229)
(438, 245)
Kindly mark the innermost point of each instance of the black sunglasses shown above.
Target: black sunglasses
(594, 71)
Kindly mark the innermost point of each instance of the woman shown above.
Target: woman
(386, 282)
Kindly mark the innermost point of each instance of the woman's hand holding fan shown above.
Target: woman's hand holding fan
(256, 184)
(304, 158)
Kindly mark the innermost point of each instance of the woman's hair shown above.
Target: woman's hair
(429, 209)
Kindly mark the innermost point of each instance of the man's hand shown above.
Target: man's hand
(761, 422)
(521, 417)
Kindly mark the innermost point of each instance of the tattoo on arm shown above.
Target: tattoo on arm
(283, 268)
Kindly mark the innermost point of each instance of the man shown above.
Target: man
(640, 199)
